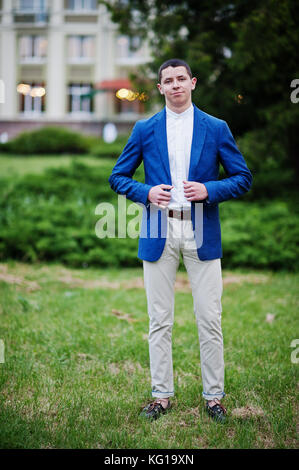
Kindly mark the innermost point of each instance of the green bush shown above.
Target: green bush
(51, 217)
(260, 235)
(268, 162)
(59, 140)
(113, 150)
(106, 150)
(47, 140)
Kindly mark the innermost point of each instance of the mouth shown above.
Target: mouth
(177, 93)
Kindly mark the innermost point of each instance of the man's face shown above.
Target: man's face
(176, 85)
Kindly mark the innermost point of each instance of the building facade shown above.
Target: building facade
(61, 62)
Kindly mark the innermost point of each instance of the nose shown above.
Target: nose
(175, 84)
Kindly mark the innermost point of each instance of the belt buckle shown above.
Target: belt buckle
(176, 213)
(185, 214)
(179, 214)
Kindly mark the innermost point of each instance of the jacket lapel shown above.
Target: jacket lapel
(161, 140)
(199, 135)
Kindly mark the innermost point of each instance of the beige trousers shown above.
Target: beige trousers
(206, 283)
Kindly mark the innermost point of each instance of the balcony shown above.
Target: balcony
(81, 11)
(33, 12)
(32, 17)
(130, 51)
(81, 7)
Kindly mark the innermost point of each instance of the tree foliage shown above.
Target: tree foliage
(244, 54)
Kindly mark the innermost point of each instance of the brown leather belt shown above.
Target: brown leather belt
(179, 214)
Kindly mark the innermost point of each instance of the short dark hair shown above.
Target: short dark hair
(174, 63)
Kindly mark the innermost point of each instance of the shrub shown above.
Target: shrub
(260, 235)
(113, 150)
(51, 217)
(47, 140)
(58, 140)
(269, 165)
(106, 150)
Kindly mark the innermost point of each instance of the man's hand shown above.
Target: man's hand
(194, 191)
(159, 196)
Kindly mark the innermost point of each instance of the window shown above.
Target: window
(128, 47)
(32, 5)
(32, 47)
(30, 102)
(77, 102)
(80, 47)
(79, 5)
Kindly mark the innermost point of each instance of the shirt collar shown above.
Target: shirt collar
(185, 113)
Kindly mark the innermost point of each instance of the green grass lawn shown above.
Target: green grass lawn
(76, 366)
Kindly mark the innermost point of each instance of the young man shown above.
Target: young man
(181, 148)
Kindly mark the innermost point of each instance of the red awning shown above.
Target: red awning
(114, 84)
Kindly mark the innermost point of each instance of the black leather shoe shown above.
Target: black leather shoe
(216, 411)
(154, 410)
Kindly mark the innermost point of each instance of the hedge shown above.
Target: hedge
(51, 217)
(60, 140)
(47, 140)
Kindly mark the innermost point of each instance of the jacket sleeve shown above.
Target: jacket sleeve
(239, 177)
(121, 180)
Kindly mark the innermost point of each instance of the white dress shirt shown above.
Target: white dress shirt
(179, 128)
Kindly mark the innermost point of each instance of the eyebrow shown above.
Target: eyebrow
(171, 78)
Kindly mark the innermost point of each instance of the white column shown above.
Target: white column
(100, 98)
(56, 86)
(106, 61)
(8, 63)
(7, 18)
(110, 64)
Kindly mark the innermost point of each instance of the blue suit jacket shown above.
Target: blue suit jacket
(212, 144)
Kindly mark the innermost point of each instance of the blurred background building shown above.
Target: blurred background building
(52, 53)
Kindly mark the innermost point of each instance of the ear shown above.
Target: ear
(194, 81)
(160, 88)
